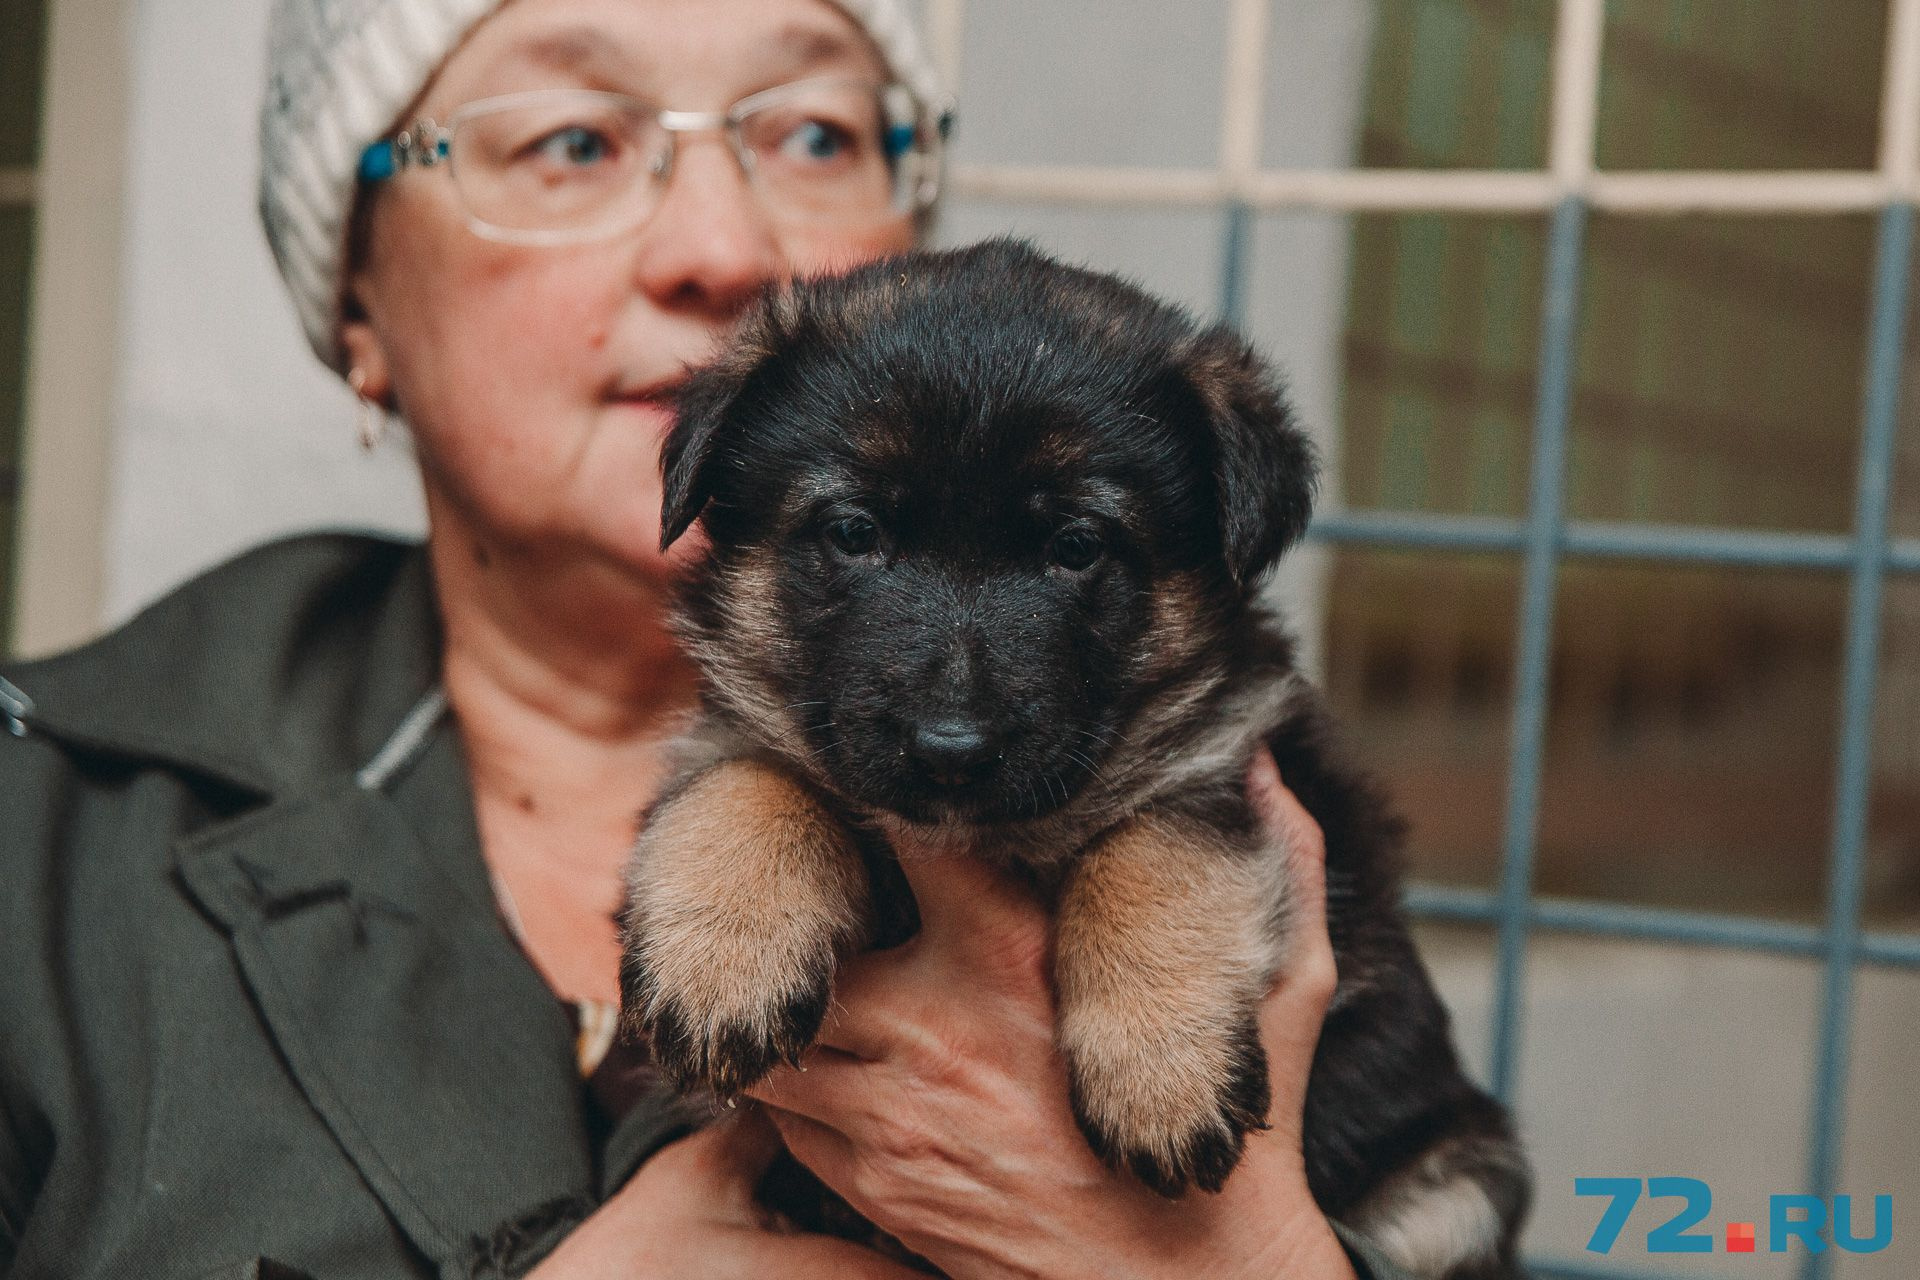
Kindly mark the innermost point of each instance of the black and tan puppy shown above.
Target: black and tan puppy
(986, 538)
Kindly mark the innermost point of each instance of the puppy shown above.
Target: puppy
(986, 537)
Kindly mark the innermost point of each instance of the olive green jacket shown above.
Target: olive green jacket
(258, 1013)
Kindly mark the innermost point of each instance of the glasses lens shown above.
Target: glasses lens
(820, 151)
(566, 163)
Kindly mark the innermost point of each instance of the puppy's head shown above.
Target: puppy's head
(973, 515)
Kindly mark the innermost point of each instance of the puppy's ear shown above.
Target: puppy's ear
(694, 458)
(1264, 467)
(688, 468)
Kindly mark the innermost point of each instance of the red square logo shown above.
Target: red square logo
(1739, 1237)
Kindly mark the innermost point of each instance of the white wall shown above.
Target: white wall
(226, 429)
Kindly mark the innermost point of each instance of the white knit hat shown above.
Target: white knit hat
(339, 73)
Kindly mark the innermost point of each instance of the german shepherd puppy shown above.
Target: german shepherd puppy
(986, 541)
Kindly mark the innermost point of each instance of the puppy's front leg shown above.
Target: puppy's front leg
(742, 892)
(1167, 935)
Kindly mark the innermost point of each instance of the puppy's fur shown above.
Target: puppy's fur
(987, 535)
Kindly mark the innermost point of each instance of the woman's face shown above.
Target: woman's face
(533, 377)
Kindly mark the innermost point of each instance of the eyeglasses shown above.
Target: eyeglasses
(562, 166)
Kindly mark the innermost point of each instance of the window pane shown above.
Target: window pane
(1442, 340)
(1415, 84)
(1461, 959)
(1175, 253)
(1419, 670)
(1692, 736)
(1893, 831)
(16, 248)
(1741, 84)
(1882, 1115)
(1124, 84)
(21, 36)
(1642, 1061)
(1720, 366)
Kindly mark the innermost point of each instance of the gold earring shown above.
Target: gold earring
(370, 420)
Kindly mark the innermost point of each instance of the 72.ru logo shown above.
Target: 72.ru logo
(1789, 1218)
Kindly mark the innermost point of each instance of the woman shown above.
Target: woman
(317, 861)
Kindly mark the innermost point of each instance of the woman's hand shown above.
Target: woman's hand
(936, 1102)
(689, 1214)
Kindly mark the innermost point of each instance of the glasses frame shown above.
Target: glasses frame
(916, 132)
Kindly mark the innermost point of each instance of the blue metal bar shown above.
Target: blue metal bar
(1546, 496)
(1235, 259)
(1763, 549)
(1659, 924)
(1846, 879)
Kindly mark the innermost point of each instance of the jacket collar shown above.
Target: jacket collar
(364, 929)
(268, 674)
(361, 918)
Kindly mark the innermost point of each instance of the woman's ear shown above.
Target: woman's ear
(1264, 468)
(365, 353)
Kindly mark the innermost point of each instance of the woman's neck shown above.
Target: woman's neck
(565, 683)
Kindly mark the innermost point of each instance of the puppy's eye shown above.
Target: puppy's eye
(854, 535)
(1076, 547)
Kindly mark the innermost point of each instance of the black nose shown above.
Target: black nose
(954, 750)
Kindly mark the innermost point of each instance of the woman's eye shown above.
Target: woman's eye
(1076, 548)
(577, 146)
(817, 141)
(854, 535)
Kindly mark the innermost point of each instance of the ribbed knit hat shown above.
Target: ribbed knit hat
(339, 73)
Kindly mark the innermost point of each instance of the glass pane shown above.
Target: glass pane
(1893, 832)
(1720, 364)
(1175, 253)
(1442, 340)
(1461, 959)
(1906, 441)
(1627, 1070)
(1882, 1115)
(1135, 83)
(1416, 84)
(1691, 737)
(22, 33)
(1741, 84)
(1419, 670)
(16, 252)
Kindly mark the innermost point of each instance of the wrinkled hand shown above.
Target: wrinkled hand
(936, 1102)
(689, 1214)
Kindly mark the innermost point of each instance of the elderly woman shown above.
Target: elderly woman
(312, 869)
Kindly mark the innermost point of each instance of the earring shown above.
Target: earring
(370, 420)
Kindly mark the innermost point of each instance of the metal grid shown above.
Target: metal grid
(1569, 189)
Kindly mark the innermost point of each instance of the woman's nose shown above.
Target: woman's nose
(710, 244)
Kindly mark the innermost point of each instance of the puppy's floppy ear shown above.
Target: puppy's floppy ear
(688, 467)
(693, 459)
(1264, 467)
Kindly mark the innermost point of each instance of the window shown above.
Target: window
(21, 38)
(1602, 307)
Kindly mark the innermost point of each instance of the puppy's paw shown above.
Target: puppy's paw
(720, 1017)
(1174, 1113)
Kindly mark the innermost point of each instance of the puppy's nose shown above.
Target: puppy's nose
(954, 749)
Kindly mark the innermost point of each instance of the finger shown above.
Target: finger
(829, 1086)
(829, 1153)
(1303, 840)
